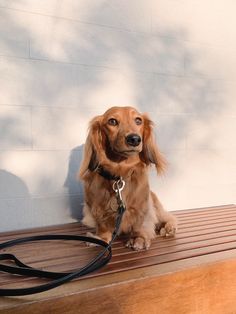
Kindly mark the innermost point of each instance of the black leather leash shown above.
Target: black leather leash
(59, 278)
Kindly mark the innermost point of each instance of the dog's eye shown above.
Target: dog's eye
(113, 122)
(138, 121)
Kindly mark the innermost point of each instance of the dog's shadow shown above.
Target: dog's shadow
(72, 183)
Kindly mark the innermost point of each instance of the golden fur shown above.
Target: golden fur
(107, 146)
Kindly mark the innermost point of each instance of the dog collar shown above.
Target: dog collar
(106, 174)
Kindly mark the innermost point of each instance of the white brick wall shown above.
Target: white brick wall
(64, 61)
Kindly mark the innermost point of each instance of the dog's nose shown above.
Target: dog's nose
(133, 139)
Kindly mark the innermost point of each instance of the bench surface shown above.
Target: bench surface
(191, 273)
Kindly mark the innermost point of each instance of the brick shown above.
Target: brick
(15, 127)
(214, 133)
(39, 7)
(14, 36)
(50, 210)
(122, 14)
(171, 131)
(15, 213)
(201, 195)
(40, 173)
(40, 83)
(215, 62)
(55, 128)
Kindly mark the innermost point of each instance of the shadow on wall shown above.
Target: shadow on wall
(74, 186)
(14, 201)
(12, 186)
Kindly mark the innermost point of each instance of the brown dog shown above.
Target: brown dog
(120, 143)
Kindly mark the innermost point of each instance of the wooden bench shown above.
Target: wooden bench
(195, 272)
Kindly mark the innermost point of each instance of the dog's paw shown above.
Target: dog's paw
(169, 230)
(138, 243)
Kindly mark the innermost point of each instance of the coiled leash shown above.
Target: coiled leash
(59, 278)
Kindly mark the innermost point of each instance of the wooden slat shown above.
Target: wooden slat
(203, 209)
(203, 234)
(205, 216)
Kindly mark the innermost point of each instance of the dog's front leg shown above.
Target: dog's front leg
(103, 233)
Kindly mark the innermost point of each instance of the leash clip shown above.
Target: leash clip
(118, 186)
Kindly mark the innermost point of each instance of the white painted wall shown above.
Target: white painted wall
(64, 61)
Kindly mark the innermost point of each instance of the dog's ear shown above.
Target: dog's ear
(150, 153)
(94, 145)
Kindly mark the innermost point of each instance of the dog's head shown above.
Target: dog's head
(120, 134)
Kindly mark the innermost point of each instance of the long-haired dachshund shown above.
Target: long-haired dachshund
(120, 143)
